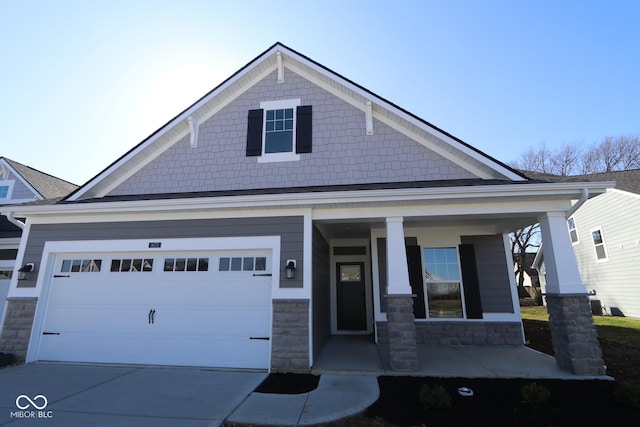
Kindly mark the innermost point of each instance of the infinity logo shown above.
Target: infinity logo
(31, 402)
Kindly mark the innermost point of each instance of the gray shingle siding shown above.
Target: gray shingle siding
(342, 153)
(493, 274)
(290, 229)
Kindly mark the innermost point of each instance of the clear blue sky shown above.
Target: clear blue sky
(82, 82)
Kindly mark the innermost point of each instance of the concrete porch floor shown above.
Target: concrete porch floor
(359, 355)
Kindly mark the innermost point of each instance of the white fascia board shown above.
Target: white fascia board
(533, 192)
(181, 119)
(149, 215)
(362, 105)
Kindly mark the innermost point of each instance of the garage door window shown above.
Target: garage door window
(186, 264)
(126, 265)
(81, 266)
(242, 264)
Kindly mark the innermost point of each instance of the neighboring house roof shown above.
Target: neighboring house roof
(627, 180)
(280, 57)
(44, 185)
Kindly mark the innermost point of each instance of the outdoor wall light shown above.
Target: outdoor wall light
(24, 273)
(290, 269)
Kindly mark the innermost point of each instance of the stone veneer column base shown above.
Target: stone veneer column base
(574, 336)
(290, 336)
(403, 350)
(18, 321)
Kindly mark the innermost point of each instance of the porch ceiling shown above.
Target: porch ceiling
(361, 228)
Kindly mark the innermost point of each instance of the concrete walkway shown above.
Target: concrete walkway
(70, 395)
(336, 397)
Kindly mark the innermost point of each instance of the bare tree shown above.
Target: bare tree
(611, 154)
(538, 160)
(566, 160)
(589, 162)
(522, 241)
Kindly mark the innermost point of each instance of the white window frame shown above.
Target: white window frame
(7, 183)
(574, 229)
(426, 282)
(279, 105)
(603, 244)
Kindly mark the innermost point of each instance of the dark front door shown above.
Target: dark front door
(352, 313)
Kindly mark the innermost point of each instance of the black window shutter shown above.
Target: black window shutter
(303, 129)
(254, 133)
(414, 264)
(470, 280)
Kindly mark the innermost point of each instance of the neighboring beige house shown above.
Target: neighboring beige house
(605, 234)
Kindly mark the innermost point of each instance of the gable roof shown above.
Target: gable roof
(627, 180)
(280, 57)
(43, 185)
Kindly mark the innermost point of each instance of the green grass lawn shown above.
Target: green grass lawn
(619, 338)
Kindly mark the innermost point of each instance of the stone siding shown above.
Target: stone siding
(17, 326)
(290, 336)
(403, 353)
(461, 333)
(574, 336)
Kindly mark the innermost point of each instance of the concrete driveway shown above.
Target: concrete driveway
(43, 394)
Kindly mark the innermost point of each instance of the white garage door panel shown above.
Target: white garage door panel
(99, 319)
(228, 352)
(201, 318)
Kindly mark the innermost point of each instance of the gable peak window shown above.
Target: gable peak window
(279, 131)
(5, 188)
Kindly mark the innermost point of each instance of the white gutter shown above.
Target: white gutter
(583, 198)
(13, 220)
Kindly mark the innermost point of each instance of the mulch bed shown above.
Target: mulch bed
(497, 402)
(288, 383)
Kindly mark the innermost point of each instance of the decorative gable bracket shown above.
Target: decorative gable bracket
(280, 67)
(194, 127)
(369, 118)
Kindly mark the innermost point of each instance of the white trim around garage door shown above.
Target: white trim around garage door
(150, 246)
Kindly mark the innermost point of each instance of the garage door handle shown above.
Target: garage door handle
(259, 338)
(152, 315)
(57, 276)
(265, 274)
(51, 333)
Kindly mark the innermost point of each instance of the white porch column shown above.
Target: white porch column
(574, 336)
(562, 274)
(401, 327)
(397, 270)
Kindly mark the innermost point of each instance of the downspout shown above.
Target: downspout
(583, 198)
(13, 220)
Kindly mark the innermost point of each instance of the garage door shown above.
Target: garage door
(186, 308)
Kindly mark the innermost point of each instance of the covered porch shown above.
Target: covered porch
(434, 290)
